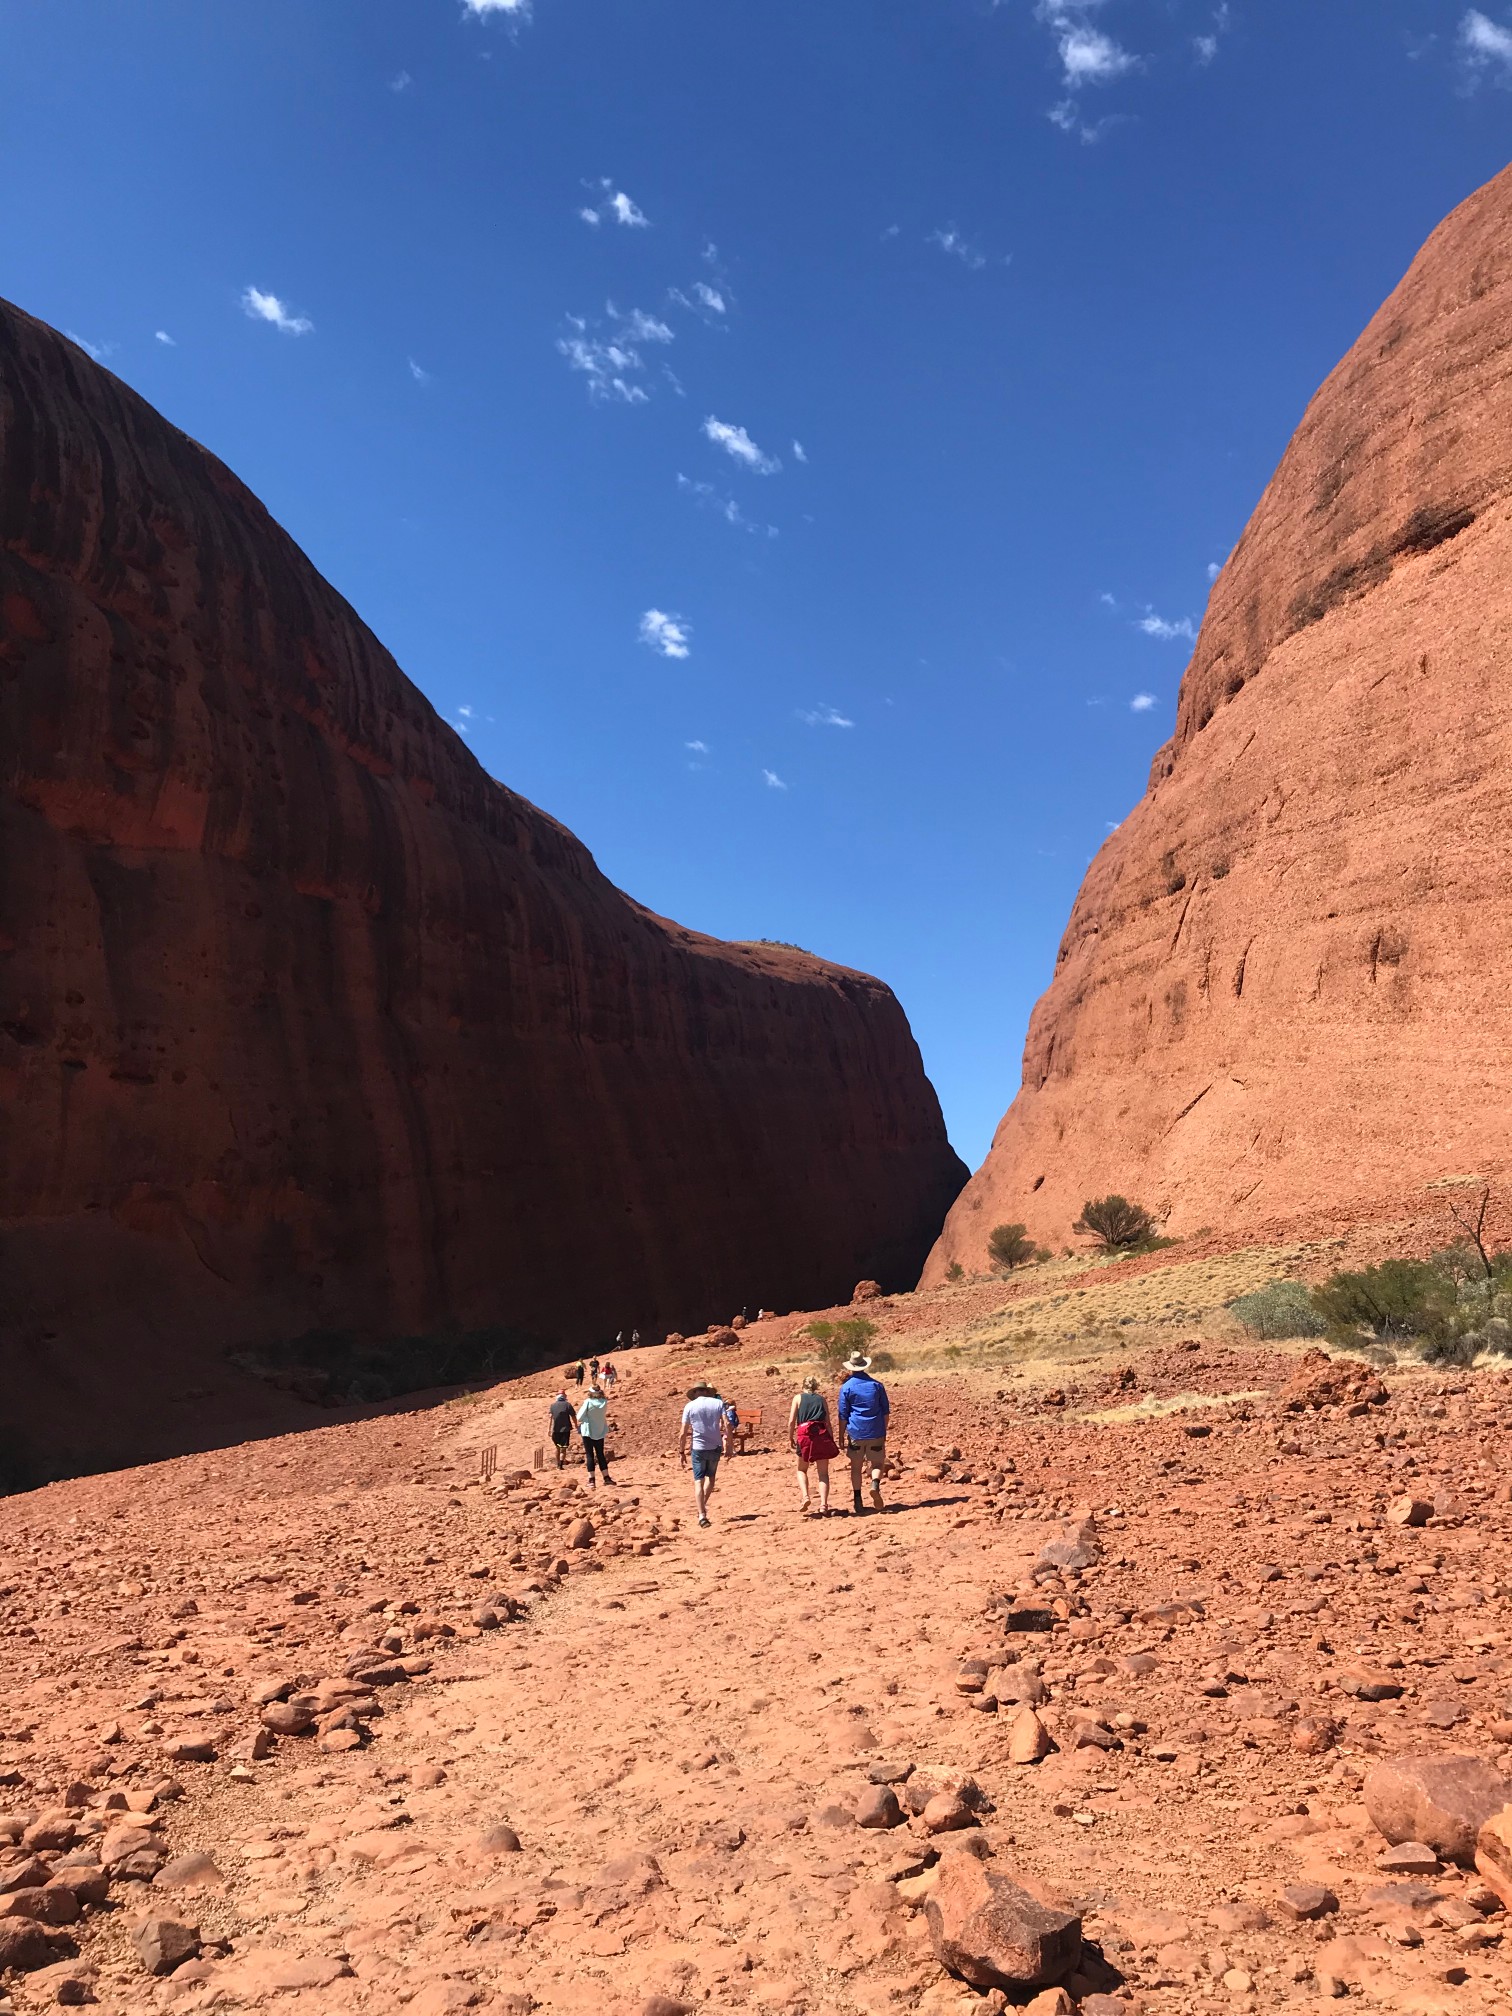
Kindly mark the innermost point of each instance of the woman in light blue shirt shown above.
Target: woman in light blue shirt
(593, 1426)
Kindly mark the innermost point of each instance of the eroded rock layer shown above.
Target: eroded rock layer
(1284, 989)
(308, 1025)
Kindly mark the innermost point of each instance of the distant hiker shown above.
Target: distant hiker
(593, 1371)
(732, 1423)
(635, 1340)
(563, 1417)
(813, 1441)
(619, 1340)
(608, 1377)
(863, 1408)
(593, 1426)
(577, 1373)
(704, 1439)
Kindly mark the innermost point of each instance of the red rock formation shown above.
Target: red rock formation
(1284, 987)
(307, 1023)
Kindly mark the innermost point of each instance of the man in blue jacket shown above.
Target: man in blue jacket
(863, 1409)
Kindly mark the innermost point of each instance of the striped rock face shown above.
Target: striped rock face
(1283, 995)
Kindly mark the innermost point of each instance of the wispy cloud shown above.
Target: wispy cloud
(614, 204)
(951, 241)
(1206, 44)
(697, 748)
(519, 10)
(711, 297)
(824, 716)
(418, 372)
(268, 308)
(1166, 628)
(99, 351)
(608, 354)
(400, 81)
(714, 499)
(1486, 45)
(667, 635)
(162, 336)
(772, 781)
(798, 452)
(1142, 703)
(739, 446)
(1088, 55)
(1215, 568)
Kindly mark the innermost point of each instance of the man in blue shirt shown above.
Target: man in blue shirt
(864, 1409)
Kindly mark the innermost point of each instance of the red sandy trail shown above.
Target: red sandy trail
(681, 1727)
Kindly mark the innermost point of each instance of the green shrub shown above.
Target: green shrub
(1115, 1223)
(840, 1339)
(1400, 1298)
(955, 1271)
(1009, 1246)
(1280, 1309)
(883, 1361)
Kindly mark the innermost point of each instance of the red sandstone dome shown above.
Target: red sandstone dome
(308, 1026)
(1284, 989)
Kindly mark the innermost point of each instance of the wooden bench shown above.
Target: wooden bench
(750, 1421)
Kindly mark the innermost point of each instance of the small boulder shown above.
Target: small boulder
(288, 1718)
(1411, 1858)
(25, 1946)
(866, 1291)
(1442, 1802)
(192, 1871)
(945, 1812)
(1308, 1900)
(1074, 1546)
(880, 1808)
(1028, 1740)
(989, 1930)
(1410, 1511)
(580, 1533)
(164, 1943)
(497, 1840)
(1493, 1855)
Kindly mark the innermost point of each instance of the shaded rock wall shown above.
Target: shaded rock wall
(307, 1023)
(1285, 989)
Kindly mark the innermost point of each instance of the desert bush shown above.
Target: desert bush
(1399, 1298)
(883, 1361)
(1280, 1309)
(1115, 1223)
(955, 1271)
(1010, 1246)
(839, 1339)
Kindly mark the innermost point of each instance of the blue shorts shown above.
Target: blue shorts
(706, 1463)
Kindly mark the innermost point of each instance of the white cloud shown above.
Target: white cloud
(162, 336)
(1486, 42)
(616, 204)
(418, 372)
(950, 240)
(608, 357)
(698, 748)
(1215, 568)
(639, 327)
(711, 297)
(99, 351)
(1206, 47)
(726, 506)
(466, 713)
(738, 444)
(772, 781)
(1088, 55)
(1165, 628)
(268, 308)
(481, 9)
(666, 635)
(400, 81)
(798, 452)
(1142, 703)
(1109, 601)
(824, 716)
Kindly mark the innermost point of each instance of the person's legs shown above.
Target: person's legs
(561, 1451)
(855, 1452)
(588, 1459)
(705, 1464)
(822, 1466)
(803, 1485)
(877, 1452)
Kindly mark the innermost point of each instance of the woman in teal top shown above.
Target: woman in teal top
(593, 1426)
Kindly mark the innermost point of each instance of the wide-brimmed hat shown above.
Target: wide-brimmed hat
(700, 1387)
(858, 1362)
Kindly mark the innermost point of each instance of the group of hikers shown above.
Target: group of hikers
(710, 1425)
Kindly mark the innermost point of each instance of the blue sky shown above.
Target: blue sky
(820, 529)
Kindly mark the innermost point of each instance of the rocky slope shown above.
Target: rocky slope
(1283, 987)
(409, 1738)
(306, 1024)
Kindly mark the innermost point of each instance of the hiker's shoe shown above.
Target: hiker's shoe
(876, 1496)
(856, 1503)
